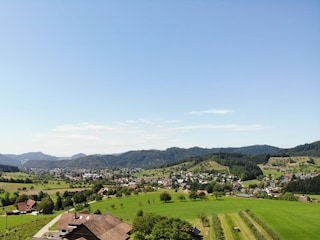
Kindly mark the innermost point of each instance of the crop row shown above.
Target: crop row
(218, 231)
(254, 230)
(272, 234)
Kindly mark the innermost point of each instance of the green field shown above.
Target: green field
(16, 175)
(51, 188)
(189, 166)
(298, 164)
(22, 226)
(289, 220)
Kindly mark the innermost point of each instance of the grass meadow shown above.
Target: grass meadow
(50, 188)
(289, 220)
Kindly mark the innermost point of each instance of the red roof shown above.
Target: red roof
(26, 206)
(103, 227)
(68, 221)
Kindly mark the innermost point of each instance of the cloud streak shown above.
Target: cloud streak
(134, 134)
(231, 127)
(212, 111)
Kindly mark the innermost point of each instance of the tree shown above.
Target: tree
(96, 187)
(21, 198)
(41, 195)
(67, 202)
(202, 196)
(288, 196)
(165, 197)
(79, 197)
(193, 195)
(172, 228)
(144, 224)
(181, 197)
(217, 194)
(46, 205)
(58, 204)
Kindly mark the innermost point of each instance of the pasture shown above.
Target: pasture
(289, 220)
(188, 166)
(298, 164)
(31, 188)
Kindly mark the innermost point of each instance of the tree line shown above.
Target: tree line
(309, 186)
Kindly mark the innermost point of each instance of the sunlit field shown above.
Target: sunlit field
(289, 220)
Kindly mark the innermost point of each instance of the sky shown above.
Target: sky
(103, 77)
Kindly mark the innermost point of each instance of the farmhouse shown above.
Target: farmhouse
(102, 227)
(103, 191)
(27, 206)
(70, 221)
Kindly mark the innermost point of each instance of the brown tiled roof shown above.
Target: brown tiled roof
(102, 190)
(108, 227)
(70, 220)
(26, 205)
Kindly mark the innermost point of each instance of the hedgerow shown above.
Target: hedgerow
(217, 228)
(254, 230)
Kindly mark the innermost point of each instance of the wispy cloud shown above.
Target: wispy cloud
(84, 126)
(133, 134)
(171, 121)
(232, 127)
(212, 111)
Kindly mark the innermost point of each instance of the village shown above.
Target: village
(125, 181)
(186, 181)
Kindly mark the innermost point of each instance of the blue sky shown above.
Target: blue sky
(112, 76)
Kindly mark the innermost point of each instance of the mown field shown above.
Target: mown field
(289, 220)
(50, 186)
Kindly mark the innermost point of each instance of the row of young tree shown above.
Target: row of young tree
(193, 195)
(16, 180)
(258, 235)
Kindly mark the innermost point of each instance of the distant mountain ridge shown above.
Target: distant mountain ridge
(20, 159)
(32, 156)
(6, 160)
(145, 158)
(308, 149)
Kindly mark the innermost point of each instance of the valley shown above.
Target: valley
(241, 190)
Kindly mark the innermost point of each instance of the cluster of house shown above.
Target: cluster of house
(180, 180)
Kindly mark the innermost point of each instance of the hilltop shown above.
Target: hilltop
(147, 158)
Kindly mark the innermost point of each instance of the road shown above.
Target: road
(45, 229)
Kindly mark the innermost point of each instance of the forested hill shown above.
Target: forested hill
(8, 168)
(243, 166)
(156, 158)
(308, 149)
(145, 158)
